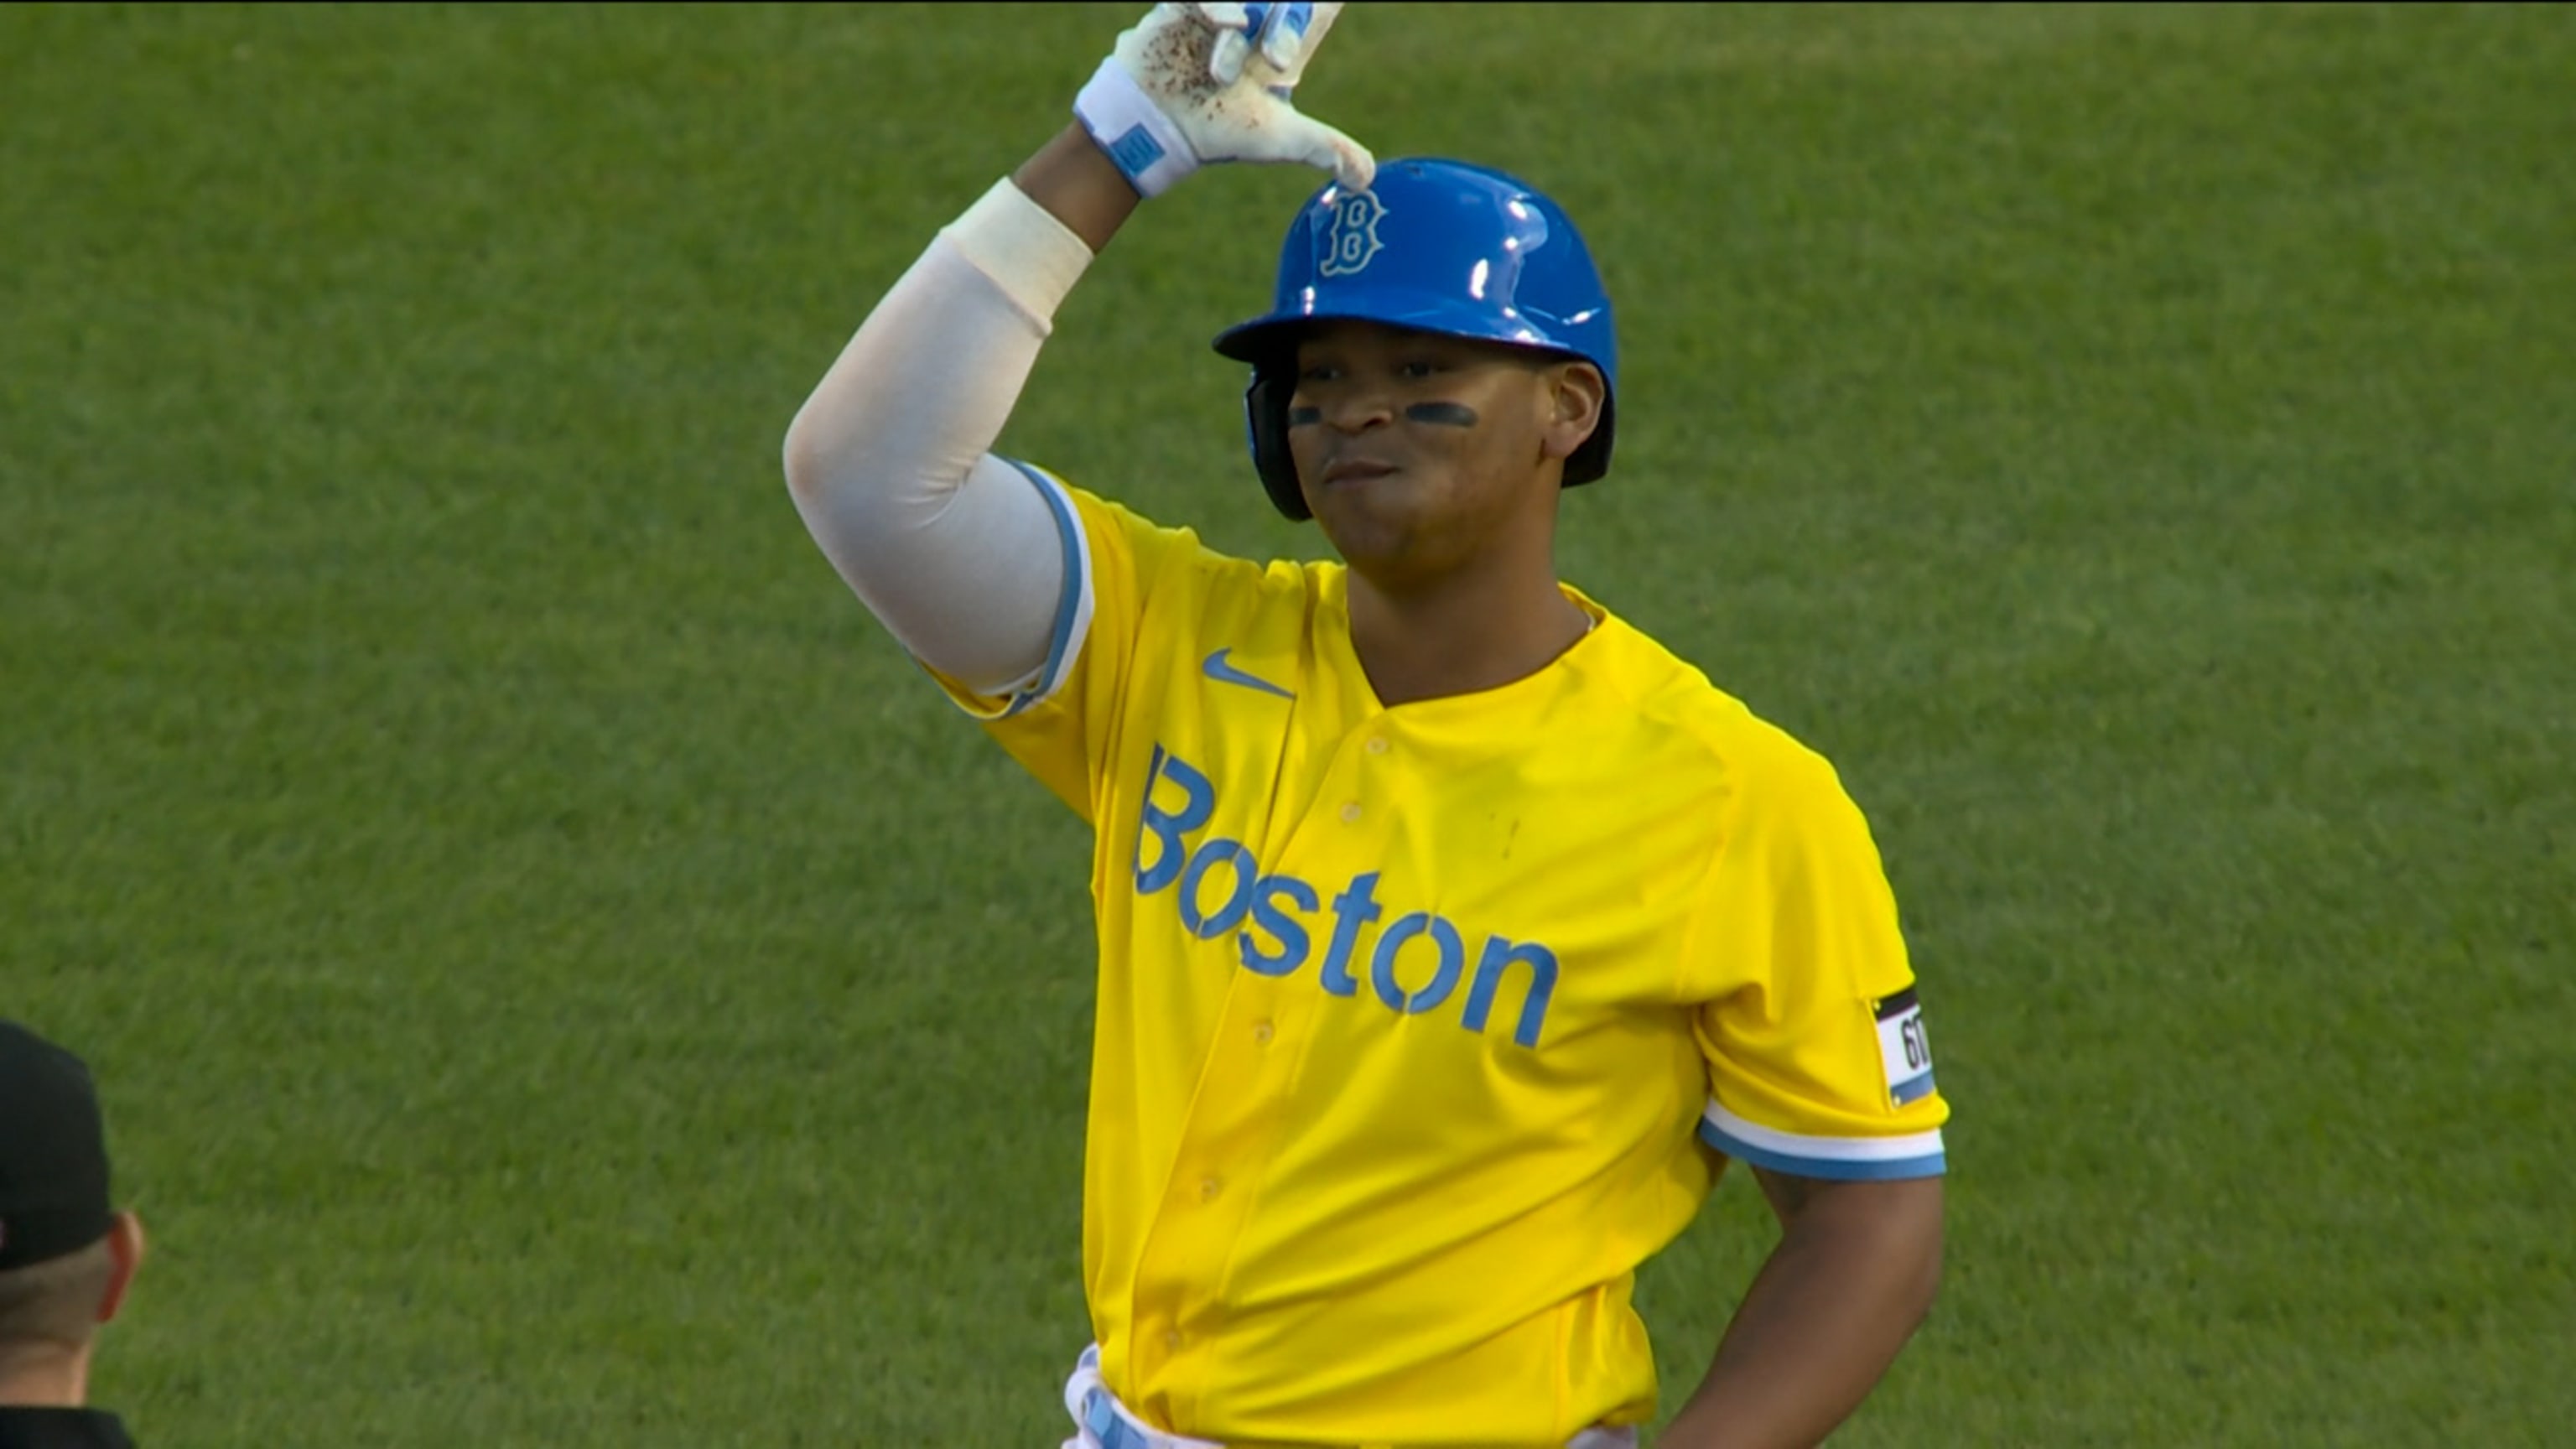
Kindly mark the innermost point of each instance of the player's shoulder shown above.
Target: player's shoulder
(1174, 556)
(1743, 753)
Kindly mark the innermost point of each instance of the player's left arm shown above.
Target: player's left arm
(1851, 1278)
(1820, 1082)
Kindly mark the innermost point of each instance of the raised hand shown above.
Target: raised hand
(1193, 85)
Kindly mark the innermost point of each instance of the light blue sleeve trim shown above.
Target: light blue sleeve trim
(1831, 1169)
(1068, 604)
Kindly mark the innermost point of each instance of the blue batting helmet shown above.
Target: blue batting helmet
(1439, 246)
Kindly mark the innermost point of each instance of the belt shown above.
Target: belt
(1116, 1427)
(1101, 1417)
(1110, 1422)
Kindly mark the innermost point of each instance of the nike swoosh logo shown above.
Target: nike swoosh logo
(1216, 668)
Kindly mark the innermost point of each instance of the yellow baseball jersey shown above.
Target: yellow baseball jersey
(1416, 1024)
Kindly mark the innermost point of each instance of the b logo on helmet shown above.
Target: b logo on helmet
(1352, 243)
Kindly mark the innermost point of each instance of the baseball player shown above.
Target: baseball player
(1453, 935)
(67, 1253)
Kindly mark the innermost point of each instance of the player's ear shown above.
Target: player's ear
(1576, 394)
(125, 1254)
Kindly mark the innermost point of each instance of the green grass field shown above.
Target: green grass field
(560, 977)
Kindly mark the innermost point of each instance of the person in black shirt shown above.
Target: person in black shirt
(66, 1254)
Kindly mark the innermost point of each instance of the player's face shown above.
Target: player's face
(1417, 452)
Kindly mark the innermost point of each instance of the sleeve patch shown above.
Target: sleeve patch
(1904, 1051)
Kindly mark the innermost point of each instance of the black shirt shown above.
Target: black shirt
(61, 1429)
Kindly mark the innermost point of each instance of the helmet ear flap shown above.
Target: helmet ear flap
(1265, 415)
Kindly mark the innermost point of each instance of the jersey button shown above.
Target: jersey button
(1351, 812)
(1262, 1032)
(1377, 746)
(1209, 1187)
(1172, 1339)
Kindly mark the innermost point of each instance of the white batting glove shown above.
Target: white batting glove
(1190, 85)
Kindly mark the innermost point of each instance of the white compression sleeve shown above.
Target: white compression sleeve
(889, 461)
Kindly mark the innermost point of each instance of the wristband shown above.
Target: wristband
(1144, 144)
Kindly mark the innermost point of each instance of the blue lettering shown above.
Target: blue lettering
(1499, 956)
(1283, 928)
(1453, 959)
(1230, 914)
(1198, 803)
(1271, 917)
(1352, 909)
